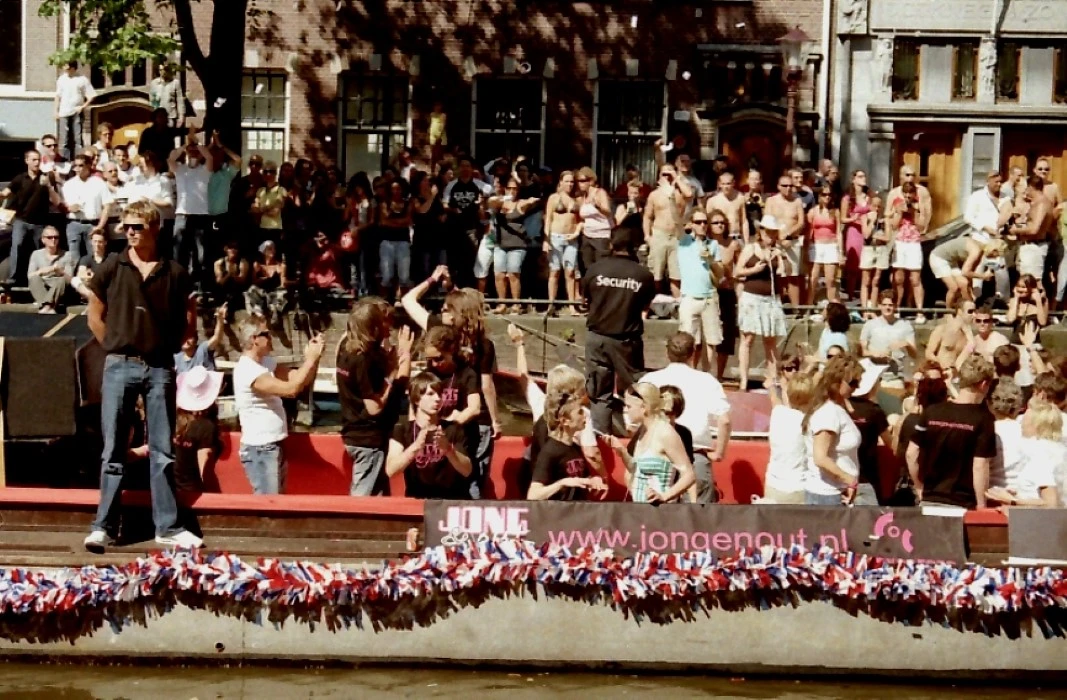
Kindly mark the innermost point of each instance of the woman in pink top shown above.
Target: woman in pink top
(596, 218)
(855, 206)
(907, 244)
(826, 245)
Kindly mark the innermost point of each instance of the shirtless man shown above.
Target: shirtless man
(925, 205)
(663, 224)
(788, 209)
(732, 203)
(1034, 225)
(986, 341)
(1043, 168)
(729, 288)
(951, 336)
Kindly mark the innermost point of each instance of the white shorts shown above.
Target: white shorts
(825, 254)
(1031, 259)
(700, 318)
(908, 256)
(792, 257)
(942, 269)
(874, 257)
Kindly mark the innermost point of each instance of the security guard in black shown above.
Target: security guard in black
(618, 290)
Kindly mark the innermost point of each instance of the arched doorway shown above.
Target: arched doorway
(754, 142)
(128, 111)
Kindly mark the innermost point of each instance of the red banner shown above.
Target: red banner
(636, 527)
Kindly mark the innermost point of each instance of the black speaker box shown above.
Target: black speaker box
(40, 391)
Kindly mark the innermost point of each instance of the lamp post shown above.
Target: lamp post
(794, 47)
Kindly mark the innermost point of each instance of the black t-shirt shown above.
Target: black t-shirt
(456, 386)
(464, 197)
(29, 198)
(431, 475)
(872, 422)
(510, 230)
(89, 262)
(427, 235)
(907, 429)
(557, 461)
(950, 436)
(361, 375)
(200, 434)
(618, 290)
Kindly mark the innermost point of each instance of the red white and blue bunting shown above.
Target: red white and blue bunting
(421, 589)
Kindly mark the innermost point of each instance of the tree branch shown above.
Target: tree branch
(190, 45)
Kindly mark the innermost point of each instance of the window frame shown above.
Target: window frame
(475, 130)
(1001, 51)
(20, 86)
(250, 124)
(387, 130)
(1059, 73)
(648, 176)
(956, 53)
(898, 45)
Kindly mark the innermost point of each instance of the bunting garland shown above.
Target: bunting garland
(421, 589)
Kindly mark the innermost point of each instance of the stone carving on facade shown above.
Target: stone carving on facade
(883, 64)
(987, 69)
(852, 17)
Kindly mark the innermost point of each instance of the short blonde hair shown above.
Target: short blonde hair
(994, 248)
(144, 210)
(1043, 420)
(799, 390)
(587, 173)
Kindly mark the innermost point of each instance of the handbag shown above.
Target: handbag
(7, 216)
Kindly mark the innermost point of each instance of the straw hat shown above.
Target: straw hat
(197, 389)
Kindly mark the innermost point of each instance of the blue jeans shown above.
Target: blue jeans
(190, 232)
(508, 261)
(816, 499)
(70, 135)
(19, 229)
(368, 471)
(125, 379)
(77, 239)
(395, 257)
(265, 467)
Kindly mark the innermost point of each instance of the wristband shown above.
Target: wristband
(854, 485)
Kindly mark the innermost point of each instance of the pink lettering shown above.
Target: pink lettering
(662, 540)
(721, 540)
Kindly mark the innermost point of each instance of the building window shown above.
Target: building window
(1009, 58)
(1059, 84)
(905, 69)
(629, 118)
(508, 118)
(264, 114)
(11, 45)
(965, 71)
(134, 76)
(374, 121)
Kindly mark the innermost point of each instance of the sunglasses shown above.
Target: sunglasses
(782, 185)
(270, 172)
(49, 238)
(983, 320)
(718, 223)
(48, 145)
(699, 222)
(134, 228)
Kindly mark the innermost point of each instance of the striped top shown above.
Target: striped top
(654, 470)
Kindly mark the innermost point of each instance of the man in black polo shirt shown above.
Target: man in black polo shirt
(618, 290)
(463, 199)
(141, 307)
(30, 195)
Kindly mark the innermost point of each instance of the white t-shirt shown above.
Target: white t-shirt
(192, 189)
(156, 188)
(1005, 467)
(788, 465)
(91, 194)
(834, 419)
(73, 93)
(1042, 459)
(704, 398)
(262, 417)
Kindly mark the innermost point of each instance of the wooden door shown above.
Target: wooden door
(935, 156)
(1023, 147)
(754, 144)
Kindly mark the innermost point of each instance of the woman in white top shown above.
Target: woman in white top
(1006, 402)
(788, 465)
(1037, 483)
(833, 440)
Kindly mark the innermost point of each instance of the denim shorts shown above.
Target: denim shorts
(265, 467)
(509, 261)
(564, 253)
(484, 259)
(818, 499)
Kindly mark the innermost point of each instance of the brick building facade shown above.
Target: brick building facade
(564, 83)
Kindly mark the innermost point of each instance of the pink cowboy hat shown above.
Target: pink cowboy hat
(197, 389)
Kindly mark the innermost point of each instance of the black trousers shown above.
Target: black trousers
(591, 250)
(611, 364)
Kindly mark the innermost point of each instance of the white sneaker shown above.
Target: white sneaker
(920, 318)
(98, 541)
(182, 539)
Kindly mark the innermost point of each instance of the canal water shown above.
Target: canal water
(50, 682)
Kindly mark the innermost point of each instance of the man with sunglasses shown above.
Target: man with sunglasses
(986, 340)
(141, 307)
(924, 204)
(730, 202)
(86, 198)
(49, 273)
(788, 209)
(698, 309)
